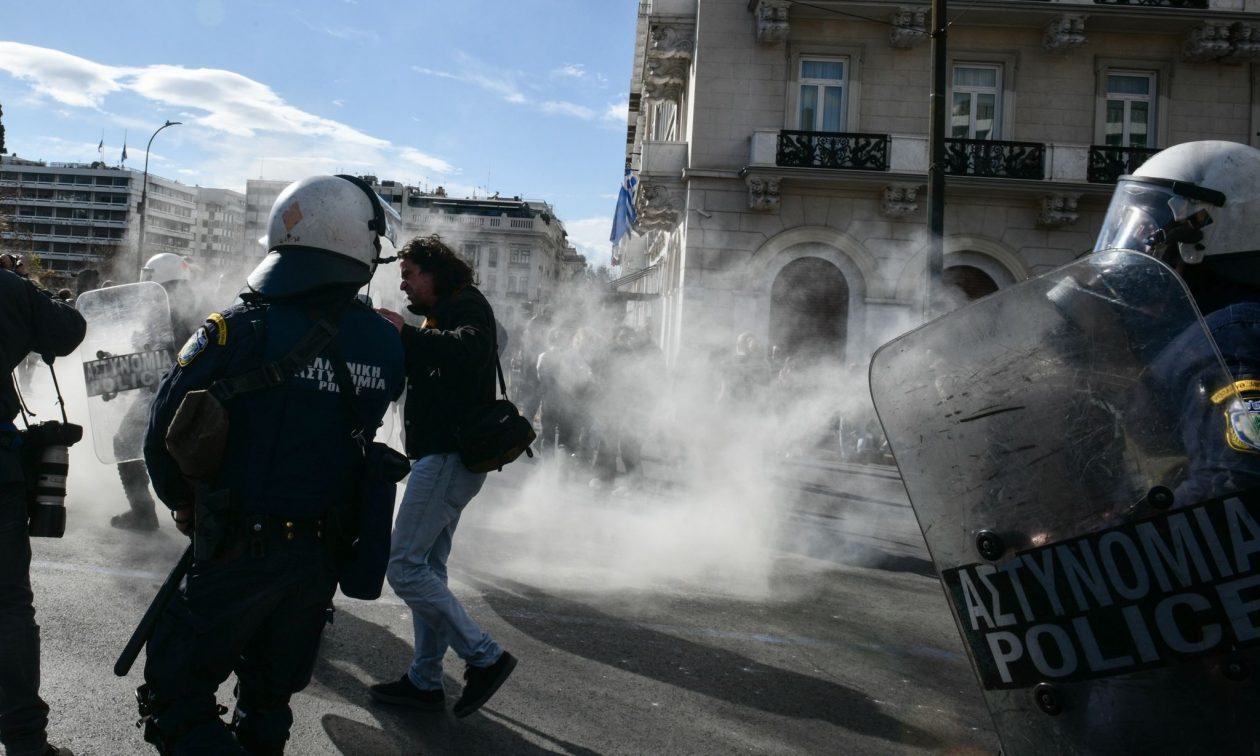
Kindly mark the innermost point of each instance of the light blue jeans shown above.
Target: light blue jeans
(437, 492)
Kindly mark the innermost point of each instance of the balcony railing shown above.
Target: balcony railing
(984, 157)
(1201, 4)
(818, 149)
(1106, 164)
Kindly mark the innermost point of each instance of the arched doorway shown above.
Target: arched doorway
(971, 282)
(809, 310)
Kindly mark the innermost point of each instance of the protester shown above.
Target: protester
(450, 373)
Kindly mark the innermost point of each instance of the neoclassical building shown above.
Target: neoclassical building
(782, 155)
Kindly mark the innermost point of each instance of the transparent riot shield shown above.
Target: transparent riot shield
(1051, 439)
(127, 349)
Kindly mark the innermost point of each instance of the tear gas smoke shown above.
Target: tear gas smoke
(711, 507)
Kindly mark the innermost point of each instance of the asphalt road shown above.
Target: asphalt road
(661, 621)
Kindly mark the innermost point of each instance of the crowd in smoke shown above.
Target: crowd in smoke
(652, 471)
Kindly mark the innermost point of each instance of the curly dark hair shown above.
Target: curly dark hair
(431, 255)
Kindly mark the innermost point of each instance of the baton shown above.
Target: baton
(150, 618)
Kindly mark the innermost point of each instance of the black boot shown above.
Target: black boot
(142, 515)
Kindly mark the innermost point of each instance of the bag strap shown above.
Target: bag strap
(346, 384)
(277, 372)
(498, 366)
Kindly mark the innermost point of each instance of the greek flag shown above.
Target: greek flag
(623, 217)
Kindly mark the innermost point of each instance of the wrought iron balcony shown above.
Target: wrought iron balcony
(985, 157)
(829, 149)
(1106, 164)
(1201, 4)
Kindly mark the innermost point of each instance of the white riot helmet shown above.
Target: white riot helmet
(1193, 201)
(165, 268)
(323, 230)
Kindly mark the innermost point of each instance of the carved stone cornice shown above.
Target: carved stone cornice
(909, 27)
(771, 20)
(1208, 41)
(1244, 40)
(665, 78)
(672, 39)
(1064, 33)
(659, 205)
(1057, 210)
(763, 193)
(667, 61)
(900, 200)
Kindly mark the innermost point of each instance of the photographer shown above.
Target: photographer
(30, 321)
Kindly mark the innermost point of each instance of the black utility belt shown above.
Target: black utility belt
(274, 527)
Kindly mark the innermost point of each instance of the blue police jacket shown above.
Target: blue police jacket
(1218, 434)
(290, 448)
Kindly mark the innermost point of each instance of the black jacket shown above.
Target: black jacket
(31, 320)
(450, 370)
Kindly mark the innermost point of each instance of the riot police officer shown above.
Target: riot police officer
(1196, 206)
(172, 272)
(30, 321)
(263, 576)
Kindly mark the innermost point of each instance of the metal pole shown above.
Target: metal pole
(144, 197)
(936, 166)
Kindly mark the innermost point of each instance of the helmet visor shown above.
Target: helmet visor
(1153, 218)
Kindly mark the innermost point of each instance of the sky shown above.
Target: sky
(520, 97)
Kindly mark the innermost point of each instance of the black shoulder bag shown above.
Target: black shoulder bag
(364, 531)
(495, 434)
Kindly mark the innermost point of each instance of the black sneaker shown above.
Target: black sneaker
(404, 693)
(481, 682)
(133, 520)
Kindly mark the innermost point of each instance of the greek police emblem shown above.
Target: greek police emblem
(1242, 415)
(193, 347)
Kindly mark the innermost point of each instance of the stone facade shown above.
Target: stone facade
(738, 198)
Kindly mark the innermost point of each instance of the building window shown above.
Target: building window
(519, 256)
(976, 101)
(823, 83)
(1130, 109)
(492, 257)
(470, 255)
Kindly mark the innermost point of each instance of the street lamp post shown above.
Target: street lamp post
(144, 197)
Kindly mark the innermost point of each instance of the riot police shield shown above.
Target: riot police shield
(127, 349)
(1048, 438)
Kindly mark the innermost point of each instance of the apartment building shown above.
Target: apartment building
(517, 248)
(781, 150)
(220, 228)
(71, 215)
(78, 215)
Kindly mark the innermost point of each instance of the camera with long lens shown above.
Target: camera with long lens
(46, 458)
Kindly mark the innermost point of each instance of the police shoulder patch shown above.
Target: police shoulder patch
(1242, 415)
(195, 345)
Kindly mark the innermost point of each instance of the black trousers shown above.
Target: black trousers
(23, 714)
(258, 615)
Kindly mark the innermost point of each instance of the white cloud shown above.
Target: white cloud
(617, 111)
(590, 236)
(577, 73)
(572, 70)
(427, 162)
(233, 119)
(552, 107)
(65, 78)
(510, 85)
